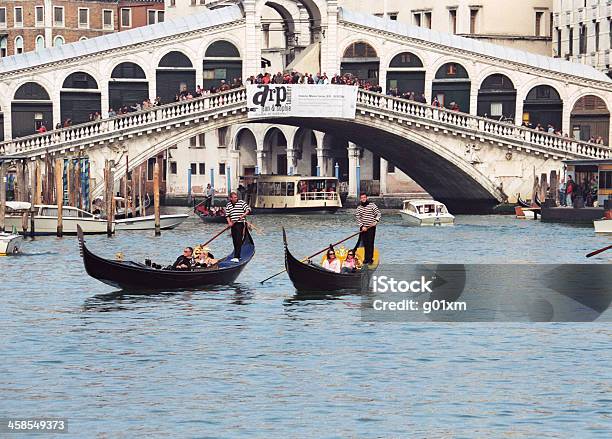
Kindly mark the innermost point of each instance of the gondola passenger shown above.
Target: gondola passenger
(206, 259)
(332, 263)
(351, 263)
(185, 261)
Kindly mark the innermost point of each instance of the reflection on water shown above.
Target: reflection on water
(248, 358)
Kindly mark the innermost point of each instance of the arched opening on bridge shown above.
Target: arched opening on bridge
(308, 19)
(278, 33)
(406, 74)
(338, 153)
(452, 86)
(543, 106)
(360, 59)
(590, 119)
(246, 145)
(128, 86)
(31, 108)
(305, 152)
(497, 98)
(79, 98)
(275, 143)
(222, 64)
(174, 75)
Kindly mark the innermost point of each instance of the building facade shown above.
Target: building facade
(30, 25)
(583, 32)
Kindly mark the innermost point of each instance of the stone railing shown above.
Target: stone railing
(124, 125)
(482, 127)
(136, 123)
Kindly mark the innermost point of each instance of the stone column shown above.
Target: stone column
(252, 55)
(329, 43)
(518, 116)
(234, 162)
(353, 156)
(474, 99)
(383, 176)
(262, 161)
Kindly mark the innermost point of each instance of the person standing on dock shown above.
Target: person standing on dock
(368, 217)
(236, 211)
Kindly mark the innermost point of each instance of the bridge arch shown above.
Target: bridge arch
(406, 73)
(305, 151)
(128, 85)
(275, 143)
(245, 142)
(452, 84)
(174, 74)
(80, 98)
(497, 97)
(30, 109)
(590, 118)
(222, 61)
(543, 107)
(317, 13)
(361, 58)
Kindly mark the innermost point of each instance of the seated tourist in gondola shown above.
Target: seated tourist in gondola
(351, 263)
(185, 261)
(332, 263)
(206, 259)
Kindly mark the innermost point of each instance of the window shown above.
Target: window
(571, 42)
(193, 142)
(221, 168)
(58, 41)
(84, 18)
(558, 42)
(82, 38)
(597, 37)
(473, 21)
(194, 169)
(40, 42)
(173, 168)
(107, 19)
(605, 179)
(202, 168)
(453, 20)
(538, 23)
(583, 38)
(2, 17)
(126, 17)
(172, 3)
(151, 168)
(39, 15)
(18, 45)
(202, 140)
(390, 168)
(222, 135)
(417, 19)
(58, 16)
(151, 16)
(379, 15)
(160, 16)
(427, 19)
(3, 44)
(18, 16)
(393, 15)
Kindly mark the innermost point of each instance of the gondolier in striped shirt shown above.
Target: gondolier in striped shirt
(236, 212)
(368, 217)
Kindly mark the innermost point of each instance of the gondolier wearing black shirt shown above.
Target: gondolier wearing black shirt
(368, 217)
(236, 211)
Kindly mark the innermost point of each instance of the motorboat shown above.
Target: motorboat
(603, 226)
(426, 213)
(166, 222)
(10, 243)
(45, 219)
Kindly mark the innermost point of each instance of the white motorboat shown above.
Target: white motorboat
(603, 226)
(10, 243)
(45, 219)
(426, 213)
(166, 222)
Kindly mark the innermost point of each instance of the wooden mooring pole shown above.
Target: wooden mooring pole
(2, 196)
(59, 191)
(156, 198)
(109, 197)
(142, 190)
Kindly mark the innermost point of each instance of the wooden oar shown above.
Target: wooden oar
(311, 256)
(601, 250)
(222, 231)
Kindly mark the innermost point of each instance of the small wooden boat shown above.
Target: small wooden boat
(136, 277)
(210, 216)
(166, 222)
(10, 243)
(522, 203)
(308, 277)
(426, 213)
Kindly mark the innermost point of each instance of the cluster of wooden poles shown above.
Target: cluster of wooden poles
(48, 188)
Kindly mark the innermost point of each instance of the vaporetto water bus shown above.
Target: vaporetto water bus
(296, 194)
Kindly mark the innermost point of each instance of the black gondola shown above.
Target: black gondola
(307, 277)
(537, 201)
(135, 276)
(208, 216)
(521, 202)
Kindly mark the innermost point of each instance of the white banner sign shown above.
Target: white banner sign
(291, 100)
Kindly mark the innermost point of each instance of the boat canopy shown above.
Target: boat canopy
(18, 205)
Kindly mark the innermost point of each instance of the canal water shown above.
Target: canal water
(253, 360)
